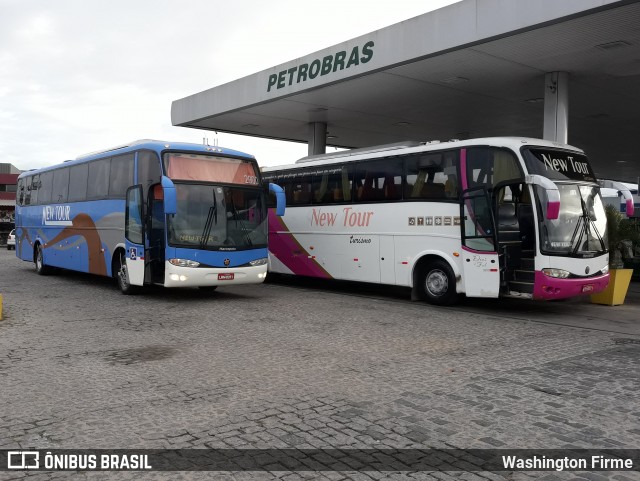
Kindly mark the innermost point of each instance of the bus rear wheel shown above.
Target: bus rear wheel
(438, 284)
(122, 275)
(38, 260)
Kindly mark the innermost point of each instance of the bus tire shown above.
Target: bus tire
(122, 274)
(437, 284)
(38, 260)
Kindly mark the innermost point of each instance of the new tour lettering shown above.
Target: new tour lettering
(348, 218)
(567, 165)
(56, 215)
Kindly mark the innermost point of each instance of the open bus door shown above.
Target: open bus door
(134, 238)
(480, 261)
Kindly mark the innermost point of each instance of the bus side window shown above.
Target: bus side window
(300, 183)
(378, 180)
(21, 192)
(45, 187)
(60, 185)
(488, 166)
(149, 172)
(78, 175)
(120, 176)
(98, 180)
(33, 189)
(333, 185)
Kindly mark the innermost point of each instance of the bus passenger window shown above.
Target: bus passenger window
(379, 180)
(78, 182)
(121, 175)
(98, 181)
(60, 185)
(451, 186)
(301, 193)
(21, 192)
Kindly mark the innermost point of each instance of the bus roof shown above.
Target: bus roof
(408, 147)
(155, 145)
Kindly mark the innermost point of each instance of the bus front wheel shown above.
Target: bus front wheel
(438, 284)
(38, 260)
(122, 275)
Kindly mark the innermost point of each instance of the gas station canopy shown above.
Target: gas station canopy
(564, 70)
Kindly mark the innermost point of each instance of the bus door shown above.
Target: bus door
(134, 236)
(156, 235)
(480, 260)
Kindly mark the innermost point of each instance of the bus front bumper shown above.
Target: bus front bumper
(175, 276)
(547, 288)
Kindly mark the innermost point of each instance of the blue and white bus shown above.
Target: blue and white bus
(149, 212)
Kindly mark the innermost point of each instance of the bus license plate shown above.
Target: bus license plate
(225, 277)
(587, 288)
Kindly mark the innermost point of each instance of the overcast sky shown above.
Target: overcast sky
(83, 75)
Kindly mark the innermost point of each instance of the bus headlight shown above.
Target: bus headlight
(259, 262)
(557, 273)
(605, 269)
(183, 263)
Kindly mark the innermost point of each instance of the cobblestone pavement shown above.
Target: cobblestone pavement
(285, 366)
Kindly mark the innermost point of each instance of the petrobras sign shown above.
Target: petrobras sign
(320, 67)
(59, 215)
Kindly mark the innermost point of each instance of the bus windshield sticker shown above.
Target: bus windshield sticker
(559, 165)
(208, 168)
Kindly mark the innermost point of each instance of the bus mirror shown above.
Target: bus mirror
(280, 198)
(623, 190)
(170, 202)
(553, 194)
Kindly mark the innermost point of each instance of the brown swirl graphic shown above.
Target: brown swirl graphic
(82, 225)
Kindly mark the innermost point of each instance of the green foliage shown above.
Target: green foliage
(623, 237)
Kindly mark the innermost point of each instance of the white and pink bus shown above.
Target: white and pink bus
(512, 217)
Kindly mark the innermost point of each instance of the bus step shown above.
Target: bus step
(524, 275)
(521, 286)
(528, 264)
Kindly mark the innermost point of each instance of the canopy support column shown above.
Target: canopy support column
(317, 138)
(556, 107)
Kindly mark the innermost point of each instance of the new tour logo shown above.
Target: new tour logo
(56, 215)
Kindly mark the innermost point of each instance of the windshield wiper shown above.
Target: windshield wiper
(586, 223)
(212, 218)
(578, 228)
(593, 219)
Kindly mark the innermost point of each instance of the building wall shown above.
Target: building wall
(8, 181)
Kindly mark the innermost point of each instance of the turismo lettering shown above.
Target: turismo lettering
(350, 218)
(562, 165)
(328, 64)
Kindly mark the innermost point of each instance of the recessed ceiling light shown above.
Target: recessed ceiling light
(613, 45)
(455, 80)
(537, 100)
(402, 124)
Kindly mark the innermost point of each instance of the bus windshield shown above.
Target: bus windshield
(210, 168)
(217, 217)
(580, 229)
